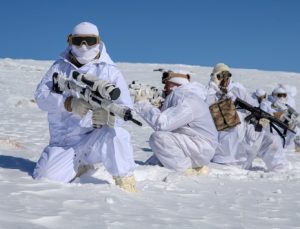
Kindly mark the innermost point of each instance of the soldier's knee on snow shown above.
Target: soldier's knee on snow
(157, 136)
(157, 139)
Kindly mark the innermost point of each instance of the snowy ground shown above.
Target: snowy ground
(226, 198)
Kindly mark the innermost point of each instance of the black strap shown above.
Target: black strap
(282, 135)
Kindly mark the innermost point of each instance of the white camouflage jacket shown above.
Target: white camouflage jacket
(184, 111)
(65, 127)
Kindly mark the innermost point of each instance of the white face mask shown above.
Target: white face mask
(85, 54)
(281, 100)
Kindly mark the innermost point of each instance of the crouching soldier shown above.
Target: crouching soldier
(185, 136)
(239, 142)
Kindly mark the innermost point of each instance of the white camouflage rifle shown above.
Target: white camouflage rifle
(98, 93)
(154, 95)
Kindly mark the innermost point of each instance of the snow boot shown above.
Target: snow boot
(126, 183)
(82, 169)
(203, 170)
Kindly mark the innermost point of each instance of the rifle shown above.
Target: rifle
(291, 115)
(256, 114)
(98, 93)
(154, 95)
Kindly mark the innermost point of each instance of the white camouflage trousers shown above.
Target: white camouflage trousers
(179, 151)
(111, 146)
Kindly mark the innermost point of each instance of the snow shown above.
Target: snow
(227, 197)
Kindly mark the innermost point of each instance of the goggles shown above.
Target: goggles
(281, 95)
(223, 75)
(79, 40)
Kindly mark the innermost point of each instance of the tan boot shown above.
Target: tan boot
(82, 169)
(126, 183)
(197, 171)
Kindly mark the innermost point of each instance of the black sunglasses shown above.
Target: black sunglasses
(283, 95)
(80, 40)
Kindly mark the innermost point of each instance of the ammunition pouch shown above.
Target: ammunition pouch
(224, 114)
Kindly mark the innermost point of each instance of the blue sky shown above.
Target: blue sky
(260, 34)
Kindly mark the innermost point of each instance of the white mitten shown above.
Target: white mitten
(77, 106)
(157, 102)
(102, 117)
(80, 107)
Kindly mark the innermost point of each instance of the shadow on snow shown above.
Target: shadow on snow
(10, 162)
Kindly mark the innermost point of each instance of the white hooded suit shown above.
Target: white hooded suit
(73, 142)
(242, 144)
(185, 135)
(232, 148)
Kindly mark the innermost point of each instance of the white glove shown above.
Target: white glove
(77, 106)
(264, 122)
(102, 117)
(157, 102)
(294, 122)
(142, 95)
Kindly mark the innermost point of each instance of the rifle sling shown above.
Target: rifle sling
(282, 135)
